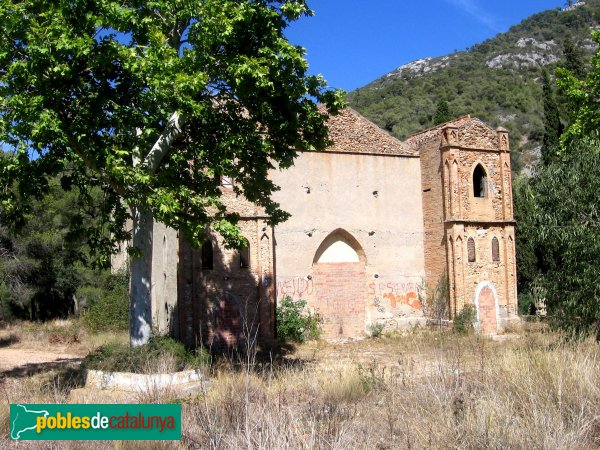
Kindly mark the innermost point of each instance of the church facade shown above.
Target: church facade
(382, 233)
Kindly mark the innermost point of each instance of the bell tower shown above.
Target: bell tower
(479, 226)
(468, 218)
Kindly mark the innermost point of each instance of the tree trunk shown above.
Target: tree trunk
(140, 280)
(140, 284)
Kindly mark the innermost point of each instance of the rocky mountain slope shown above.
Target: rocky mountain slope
(499, 80)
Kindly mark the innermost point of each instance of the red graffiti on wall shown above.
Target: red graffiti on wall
(295, 287)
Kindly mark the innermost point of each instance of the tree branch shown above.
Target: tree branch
(164, 144)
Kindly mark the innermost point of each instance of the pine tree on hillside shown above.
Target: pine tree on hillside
(442, 113)
(573, 59)
(552, 126)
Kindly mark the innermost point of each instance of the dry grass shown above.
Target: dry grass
(421, 390)
(434, 391)
(67, 335)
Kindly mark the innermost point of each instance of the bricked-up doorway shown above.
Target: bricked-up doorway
(486, 303)
(340, 285)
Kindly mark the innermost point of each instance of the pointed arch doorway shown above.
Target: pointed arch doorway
(340, 285)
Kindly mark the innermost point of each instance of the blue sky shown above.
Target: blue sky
(353, 42)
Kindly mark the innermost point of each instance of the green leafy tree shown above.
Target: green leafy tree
(42, 266)
(558, 215)
(573, 59)
(527, 251)
(552, 125)
(152, 103)
(582, 96)
(563, 225)
(442, 113)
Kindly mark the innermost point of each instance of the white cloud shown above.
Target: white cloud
(472, 8)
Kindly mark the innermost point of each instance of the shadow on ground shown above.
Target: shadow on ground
(7, 341)
(30, 369)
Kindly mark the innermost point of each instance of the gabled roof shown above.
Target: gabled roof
(352, 133)
(469, 133)
(415, 140)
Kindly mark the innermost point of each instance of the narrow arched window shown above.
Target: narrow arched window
(479, 182)
(471, 249)
(495, 250)
(244, 253)
(206, 255)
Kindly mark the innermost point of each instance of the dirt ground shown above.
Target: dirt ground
(26, 353)
(14, 360)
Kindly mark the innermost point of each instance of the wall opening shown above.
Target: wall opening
(340, 285)
(485, 300)
(244, 255)
(471, 250)
(495, 250)
(479, 182)
(207, 256)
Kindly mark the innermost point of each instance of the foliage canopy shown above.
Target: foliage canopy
(90, 90)
(583, 99)
(562, 223)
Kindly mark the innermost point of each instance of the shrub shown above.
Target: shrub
(293, 324)
(376, 329)
(117, 357)
(107, 308)
(463, 321)
(527, 304)
(438, 299)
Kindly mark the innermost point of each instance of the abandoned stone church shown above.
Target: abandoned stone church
(377, 227)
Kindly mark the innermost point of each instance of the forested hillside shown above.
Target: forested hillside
(499, 80)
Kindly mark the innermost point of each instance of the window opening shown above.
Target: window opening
(479, 182)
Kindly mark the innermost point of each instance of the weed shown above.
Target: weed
(376, 329)
(294, 324)
(463, 321)
(107, 308)
(149, 358)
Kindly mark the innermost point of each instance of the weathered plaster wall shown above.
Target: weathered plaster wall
(377, 200)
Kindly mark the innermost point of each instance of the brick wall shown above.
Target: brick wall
(453, 213)
(340, 293)
(486, 311)
(432, 177)
(225, 305)
(465, 276)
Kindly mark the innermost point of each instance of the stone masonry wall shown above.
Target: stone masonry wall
(228, 304)
(464, 276)
(433, 211)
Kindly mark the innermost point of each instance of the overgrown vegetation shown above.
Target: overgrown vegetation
(557, 215)
(463, 321)
(162, 354)
(424, 390)
(107, 305)
(561, 226)
(376, 329)
(438, 299)
(45, 270)
(294, 323)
